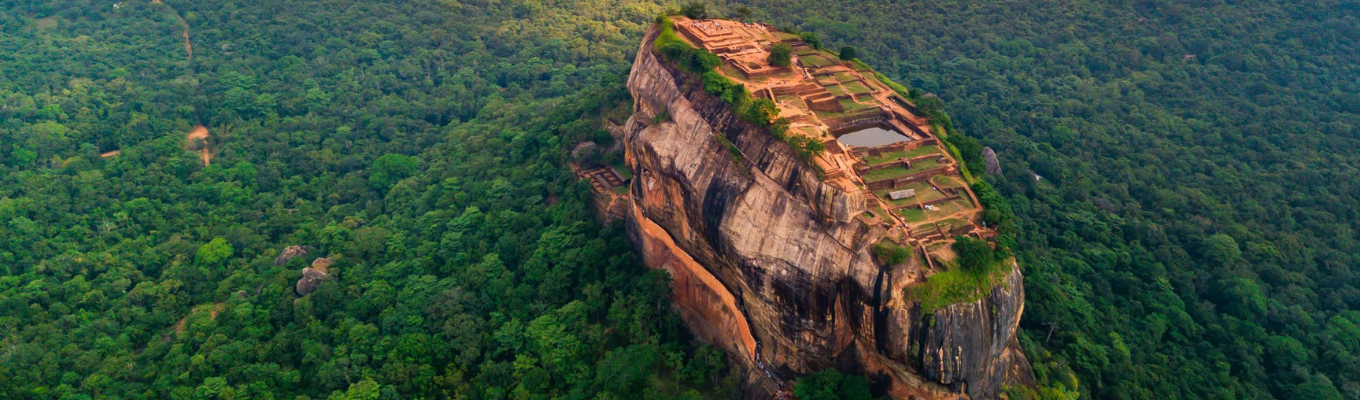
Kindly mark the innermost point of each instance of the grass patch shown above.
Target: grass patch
(921, 151)
(912, 215)
(851, 105)
(836, 90)
(874, 80)
(623, 170)
(923, 193)
(885, 173)
(621, 189)
(890, 253)
(885, 157)
(951, 223)
(732, 72)
(948, 208)
(856, 88)
(974, 270)
(815, 61)
(953, 286)
(924, 164)
(946, 181)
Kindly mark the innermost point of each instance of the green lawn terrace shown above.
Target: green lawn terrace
(894, 155)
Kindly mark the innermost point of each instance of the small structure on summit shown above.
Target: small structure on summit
(902, 194)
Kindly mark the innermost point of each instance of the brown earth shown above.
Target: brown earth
(200, 135)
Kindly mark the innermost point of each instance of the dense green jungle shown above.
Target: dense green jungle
(1185, 178)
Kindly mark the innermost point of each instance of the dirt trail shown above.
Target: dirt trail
(199, 137)
(110, 153)
(188, 47)
(184, 25)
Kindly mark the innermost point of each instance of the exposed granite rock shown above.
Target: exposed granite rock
(989, 160)
(312, 276)
(289, 253)
(770, 263)
(955, 334)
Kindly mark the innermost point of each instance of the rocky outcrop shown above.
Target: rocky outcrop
(312, 276)
(289, 253)
(989, 160)
(968, 346)
(771, 264)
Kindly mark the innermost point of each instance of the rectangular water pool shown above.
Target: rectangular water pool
(872, 136)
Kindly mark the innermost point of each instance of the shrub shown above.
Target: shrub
(974, 255)
(695, 10)
(715, 83)
(673, 51)
(760, 112)
(704, 61)
(812, 40)
(780, 129)
(890, 253)
(806, 147)
(781, 55)
(848, 53)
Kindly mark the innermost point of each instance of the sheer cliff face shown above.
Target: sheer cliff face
(770, 264)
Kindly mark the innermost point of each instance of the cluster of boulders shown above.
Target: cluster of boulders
(312, 275)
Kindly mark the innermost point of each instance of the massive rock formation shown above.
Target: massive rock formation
(773, 265)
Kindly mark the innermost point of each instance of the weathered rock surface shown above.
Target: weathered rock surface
(970, 343)
(289, 253)
(312, 276)
(989, 160)
(771, 264)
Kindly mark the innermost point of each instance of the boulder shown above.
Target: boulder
(289, 253)
(989, 159)
(312, 276)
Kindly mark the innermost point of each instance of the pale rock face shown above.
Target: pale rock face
(770, 264)
(989, 160)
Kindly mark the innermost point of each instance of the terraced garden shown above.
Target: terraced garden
(815, 61)
(948, 208)
(912, 215)
(851, 105)
(893, 156)
(886, 173)
(946, 181)
(854, 87)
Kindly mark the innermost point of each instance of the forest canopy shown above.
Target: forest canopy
(420, 146)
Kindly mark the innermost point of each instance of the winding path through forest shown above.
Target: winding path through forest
(184, 25)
